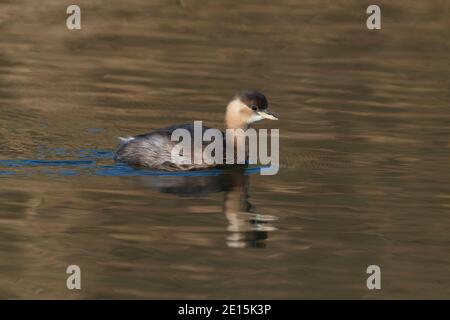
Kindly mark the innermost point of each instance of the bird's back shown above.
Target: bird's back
(154, 150)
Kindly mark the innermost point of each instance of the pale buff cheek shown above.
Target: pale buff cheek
(238, 115)
(247, 115)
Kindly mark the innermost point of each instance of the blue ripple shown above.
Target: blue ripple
(86, 164)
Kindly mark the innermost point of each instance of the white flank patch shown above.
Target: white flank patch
(125, 140)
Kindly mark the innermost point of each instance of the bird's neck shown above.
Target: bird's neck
(233, 118)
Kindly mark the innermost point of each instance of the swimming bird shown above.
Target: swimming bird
(154, 149)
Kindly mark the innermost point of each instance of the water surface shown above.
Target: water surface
(364, 150)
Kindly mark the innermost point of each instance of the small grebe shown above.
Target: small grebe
(153, 149)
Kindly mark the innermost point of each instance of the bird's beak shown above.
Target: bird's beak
(267, 115)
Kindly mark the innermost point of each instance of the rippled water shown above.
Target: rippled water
(364, 150)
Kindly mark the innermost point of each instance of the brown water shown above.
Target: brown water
(364, 148)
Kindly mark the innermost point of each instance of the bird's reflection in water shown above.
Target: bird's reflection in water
(247, 228)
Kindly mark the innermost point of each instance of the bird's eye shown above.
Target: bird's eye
(254, 107)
